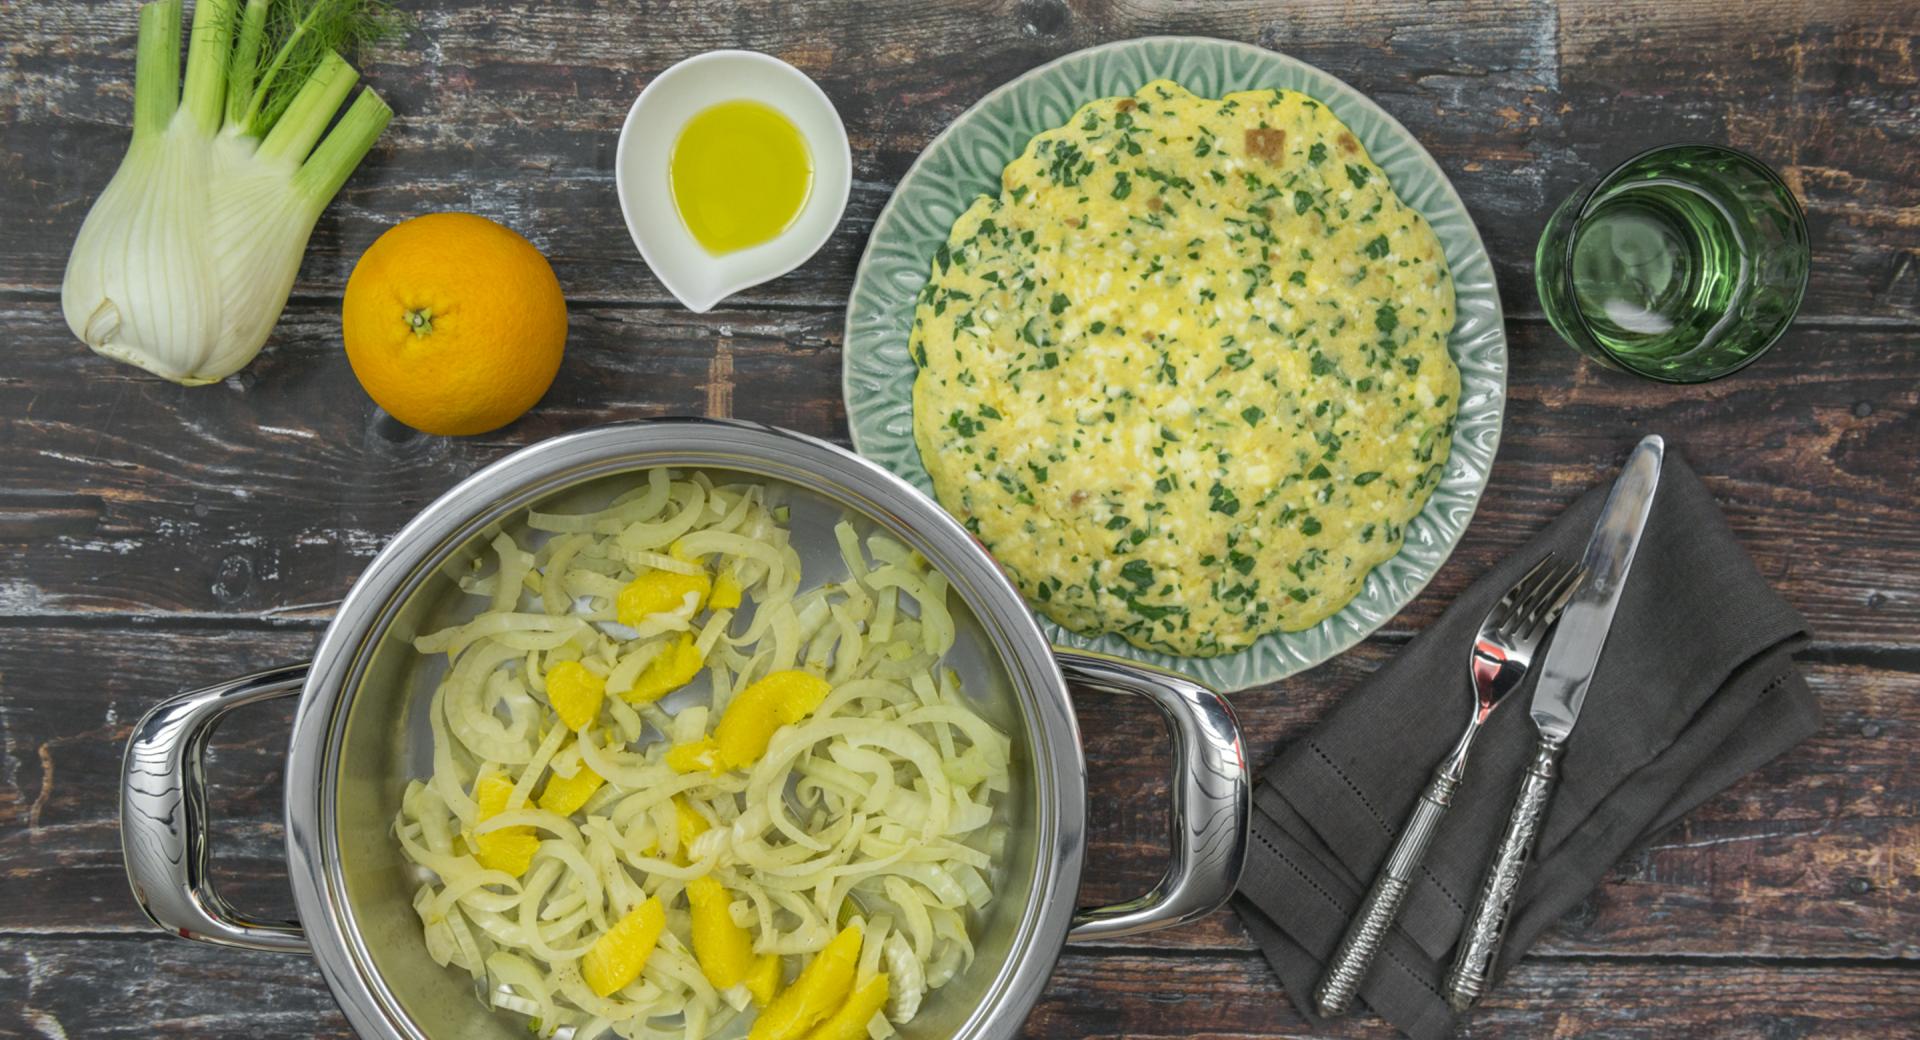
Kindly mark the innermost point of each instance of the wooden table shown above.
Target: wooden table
(154, 538)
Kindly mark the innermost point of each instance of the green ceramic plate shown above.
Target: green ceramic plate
(965, 162)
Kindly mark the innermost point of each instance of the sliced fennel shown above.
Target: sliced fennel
(185, 261)
(879, 805)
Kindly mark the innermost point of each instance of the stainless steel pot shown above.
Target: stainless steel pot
(360, 733)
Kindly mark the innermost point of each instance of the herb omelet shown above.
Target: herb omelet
(1187, 376)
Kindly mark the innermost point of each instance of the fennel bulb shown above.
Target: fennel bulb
(185, 261)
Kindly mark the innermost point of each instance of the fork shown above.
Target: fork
(1502, 651)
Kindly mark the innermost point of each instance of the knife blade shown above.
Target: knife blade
(1573, 655)
(1565, 676)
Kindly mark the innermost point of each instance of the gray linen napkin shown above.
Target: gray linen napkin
(1695, 689)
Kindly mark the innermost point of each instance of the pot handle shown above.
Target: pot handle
(163, 815)
(1210, 803)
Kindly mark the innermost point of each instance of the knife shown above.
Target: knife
(1565, 677)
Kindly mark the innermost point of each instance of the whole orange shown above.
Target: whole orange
(453, 324)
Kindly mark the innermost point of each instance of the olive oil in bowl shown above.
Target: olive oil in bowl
(733, 168)
(740, 173)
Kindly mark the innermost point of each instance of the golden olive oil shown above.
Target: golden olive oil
(740, 173)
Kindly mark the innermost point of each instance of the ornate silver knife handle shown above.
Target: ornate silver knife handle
(1368, 929)
(1487, 925)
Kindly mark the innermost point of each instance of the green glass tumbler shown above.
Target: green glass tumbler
(1682, 264)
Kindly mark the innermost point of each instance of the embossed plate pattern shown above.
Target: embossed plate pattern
(965, 161)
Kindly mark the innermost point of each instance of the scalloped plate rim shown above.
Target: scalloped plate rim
(1242, 669)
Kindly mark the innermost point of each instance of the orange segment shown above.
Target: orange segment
(566, 794)
(675, 667)
(616, 958)
(575, 694)
(688, 825)
(510, 848)
(723, 948)
(726, 592)
(748, 725)
(763, 982)
(700, 755)
(820, 990)
(850, 1022)
(660, 592)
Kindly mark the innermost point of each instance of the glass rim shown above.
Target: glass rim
(1612, 176)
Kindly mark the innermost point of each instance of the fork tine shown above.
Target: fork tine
(1504, 611)
(1542, 606)
(1536, 598)
(1512, 607)
(1550, 604)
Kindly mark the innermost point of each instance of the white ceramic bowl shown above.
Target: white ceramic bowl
(696, 277)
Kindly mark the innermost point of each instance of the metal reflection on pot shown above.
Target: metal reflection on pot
(360, 734)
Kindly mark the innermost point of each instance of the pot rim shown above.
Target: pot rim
(514, 482)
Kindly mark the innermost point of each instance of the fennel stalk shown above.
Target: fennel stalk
(185, 261)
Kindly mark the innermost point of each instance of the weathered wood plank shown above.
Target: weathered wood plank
(1810, 858)
(265, 496)
(512, 112)
(1209, 996)
(1823, 92)
(138, 519)
(159, 986)
(293, 437)
(121, 989)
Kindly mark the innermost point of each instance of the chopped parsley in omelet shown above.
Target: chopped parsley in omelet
(1187, 376)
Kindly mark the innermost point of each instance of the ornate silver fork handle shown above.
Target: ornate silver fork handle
(1368, 929)
(1487, 925)
(1502, 651)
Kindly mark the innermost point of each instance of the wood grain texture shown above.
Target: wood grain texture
(154, 538)
(1805, 859)
(511, 111)
(85, 986)
(265, 496)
